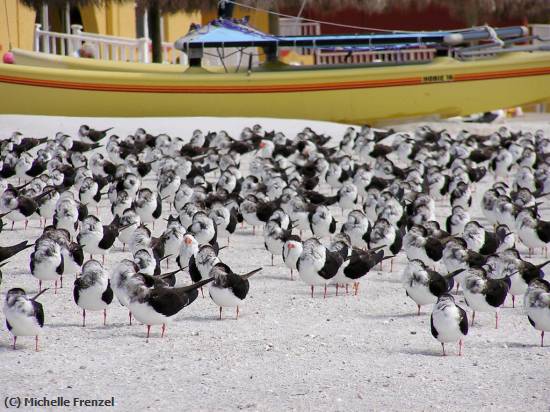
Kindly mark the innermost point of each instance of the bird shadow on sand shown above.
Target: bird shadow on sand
(424, 352)
(521, 345)
(277, 277)
(64, 325)
(399, 315)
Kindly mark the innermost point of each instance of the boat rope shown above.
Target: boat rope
(8, 23)
(494, 36)
(329, 23)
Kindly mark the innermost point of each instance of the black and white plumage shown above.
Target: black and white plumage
(274, 238)
(292, 250)
(229, 289)
(479, 240)
(148, 205)
(531, 230)
(484, 294)
(356, 265)
(154, 304)
(321, 221)
(317, 265)
(24, 315)
(130, 220)
(66, 215)
(96, 238)
(457, 220)
(537, 306)
(120, 277)
(203, 228)
(92, 290)
(424, 285)
(189, 246)
(358, 228)
(385, 234)
(90, 136)
(449, 322)
(47, 261)
(225, 220)
(202, 262)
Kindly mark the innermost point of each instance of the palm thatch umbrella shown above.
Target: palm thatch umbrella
(479, 11)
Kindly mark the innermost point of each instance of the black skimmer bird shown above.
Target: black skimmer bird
(48, 203)
(141, 239)
(23, 207)
(66, 215)
(146, 262)
(90, 192)
(501, 164)
(98, 239)
(385, 234)
(449, 322)
(189, 246)
(321, 221)
(92, 136)
(168, 183)
(317, 265)
(274, 238)
(120, 280)
(537, 306)
(521, 272)
(358, 228)
(356, 265)
(148, 205)
(484, 294)
(154, 304)
(203, 228)
(292, 250)
(172, 239)
(229, 289)
(130, 220)
(479, 240)
(424, 285)
(202, 262)
(225, 219)
(24, 315)
(457, 220)
(47, 261)
(92, 290)
(532, 231)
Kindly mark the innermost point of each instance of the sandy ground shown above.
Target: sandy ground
(287, 351)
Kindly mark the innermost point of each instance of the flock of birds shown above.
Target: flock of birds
(384, 183)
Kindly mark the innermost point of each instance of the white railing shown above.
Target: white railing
(103, 47)
(383, 56)
(541, 30)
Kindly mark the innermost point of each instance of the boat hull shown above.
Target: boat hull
(445, 88)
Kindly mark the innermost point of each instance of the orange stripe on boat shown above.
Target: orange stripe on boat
(282, 88)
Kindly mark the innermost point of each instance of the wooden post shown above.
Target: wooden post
(154, 30)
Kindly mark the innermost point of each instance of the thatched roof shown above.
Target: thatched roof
(534, 10)
(36, 4)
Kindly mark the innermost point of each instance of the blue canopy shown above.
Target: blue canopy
(237, 33)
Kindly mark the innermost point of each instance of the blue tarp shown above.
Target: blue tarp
(237, 33)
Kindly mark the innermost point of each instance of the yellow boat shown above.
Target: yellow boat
(445, 87)
(53, 85)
